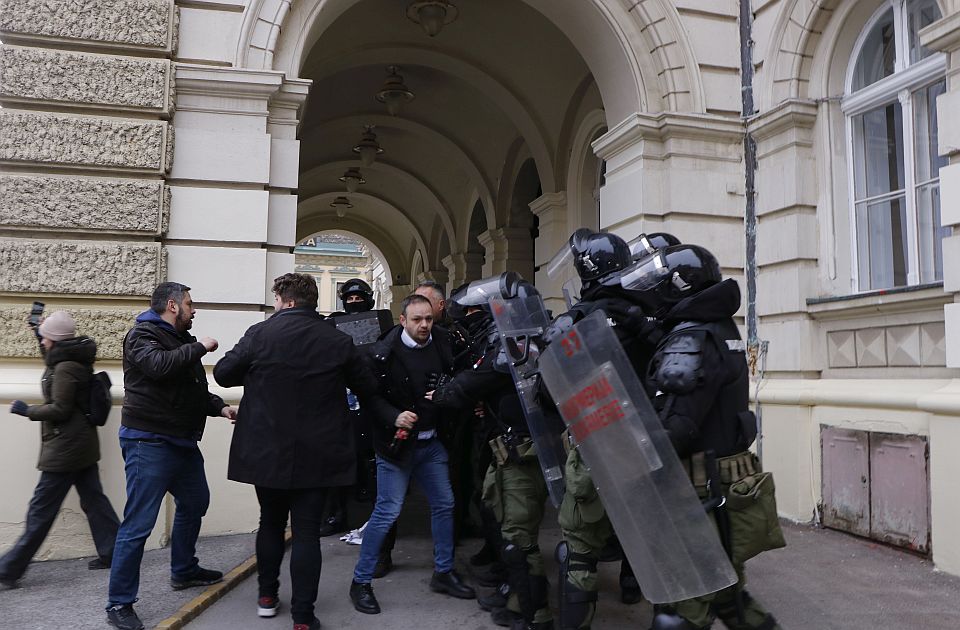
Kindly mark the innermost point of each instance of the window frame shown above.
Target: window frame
(899, 86)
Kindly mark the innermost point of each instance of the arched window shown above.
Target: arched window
(890, 104)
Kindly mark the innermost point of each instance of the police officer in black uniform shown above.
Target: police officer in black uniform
(599, 259)
(357, 297)
(514, 488)
(699, 382)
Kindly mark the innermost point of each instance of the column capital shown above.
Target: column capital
(548, 205)
(943, 35)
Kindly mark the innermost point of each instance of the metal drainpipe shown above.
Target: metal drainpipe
(756, 350)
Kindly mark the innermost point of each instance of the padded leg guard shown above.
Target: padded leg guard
(576, 605)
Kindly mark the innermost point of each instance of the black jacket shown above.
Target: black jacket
(68, 441)
(700, 372)
(164, 384)
(294, 427)
(396, 392)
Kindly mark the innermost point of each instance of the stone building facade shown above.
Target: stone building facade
(143, 140)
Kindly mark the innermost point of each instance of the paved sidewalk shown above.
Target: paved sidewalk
(823, 580)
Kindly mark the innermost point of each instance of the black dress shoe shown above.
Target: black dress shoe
(451, 584)
(384, 565)
(99, 563)
(124, 618)
(333, 525)
(363, 599)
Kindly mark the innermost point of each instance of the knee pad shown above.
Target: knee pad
(576, 605)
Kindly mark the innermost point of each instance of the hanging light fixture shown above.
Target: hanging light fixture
(341, 204)
(394, 93)
(352, 178)
(432, 15)
(368, 147)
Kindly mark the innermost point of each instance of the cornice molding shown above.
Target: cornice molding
(789, 114)
(665, 126)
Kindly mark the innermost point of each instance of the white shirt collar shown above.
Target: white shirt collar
(409, 341)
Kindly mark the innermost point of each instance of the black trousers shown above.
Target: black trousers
(305, 507)
(47, 498)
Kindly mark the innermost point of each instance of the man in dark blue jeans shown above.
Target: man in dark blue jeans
(165, 405)
(409, 362)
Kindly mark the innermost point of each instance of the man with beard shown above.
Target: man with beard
(165, 404)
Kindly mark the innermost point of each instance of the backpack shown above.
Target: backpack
(100, 402)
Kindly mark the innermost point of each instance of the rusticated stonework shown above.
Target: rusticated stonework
(142, 23)
(83, 203)
(38, 74)
(80, 267)
(59, 139)
(106, 326)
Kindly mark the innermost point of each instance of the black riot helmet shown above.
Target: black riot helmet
(506, 285)
(673, 273)
(356, 286)
(601, 256)
(647, 244)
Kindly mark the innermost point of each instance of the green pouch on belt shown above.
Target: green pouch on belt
(754, 526)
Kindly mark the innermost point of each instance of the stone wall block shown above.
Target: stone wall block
(84, 141)
(106, 326)
(79, 79)
(34, 266)
(62, 203)
(138, 24)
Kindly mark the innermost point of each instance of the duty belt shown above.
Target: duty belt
(732, 468)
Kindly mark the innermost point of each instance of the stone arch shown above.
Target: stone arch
(417, 266)
(463, 156)
(495, 88)
(801, 30)
(581, 173)
(435, 203)
(621, 41)
(377, 252)
(517, 155)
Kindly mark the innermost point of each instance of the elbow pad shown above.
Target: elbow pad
(679, 364)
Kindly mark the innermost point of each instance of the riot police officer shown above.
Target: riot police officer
(588, 536)
(514, 486)
(698, 380)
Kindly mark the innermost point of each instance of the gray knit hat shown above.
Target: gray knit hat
(58, 326)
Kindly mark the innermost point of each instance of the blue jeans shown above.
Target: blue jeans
(153, 468)
(428, 465)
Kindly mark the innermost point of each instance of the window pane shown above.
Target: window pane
(925, 131)
(931, 233)
(920, 13)
(878, 54)
(878, 151)
(882, 244)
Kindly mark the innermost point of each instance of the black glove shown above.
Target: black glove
(632, 319)
(19, 408)
(436, 380)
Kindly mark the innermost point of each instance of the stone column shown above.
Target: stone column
(232, 217)
(463, 267)
(944, 36)
(508, 249)
(551, 209)
(787, 235)
(87, 95)
(398, 292)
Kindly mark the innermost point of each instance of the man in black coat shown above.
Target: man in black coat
(409, 361)
(293, 439)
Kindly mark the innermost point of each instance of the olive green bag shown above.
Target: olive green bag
(754, 526)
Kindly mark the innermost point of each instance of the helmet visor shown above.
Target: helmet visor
(479, 292)
(560, 262)
(646, 273)
(640, 247)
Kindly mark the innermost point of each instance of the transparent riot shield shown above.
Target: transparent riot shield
(521, 322)
(672, 545)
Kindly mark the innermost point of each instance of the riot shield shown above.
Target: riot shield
(521, 322)
(365, 327)
(672, 545)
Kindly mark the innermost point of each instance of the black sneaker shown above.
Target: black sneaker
(313, 625)
(384, 565)
(363, 598)
(99, 563)
(124, 617)
(451, 584)
(201, 577)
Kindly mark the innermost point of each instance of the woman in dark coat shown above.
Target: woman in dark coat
(69, 449)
